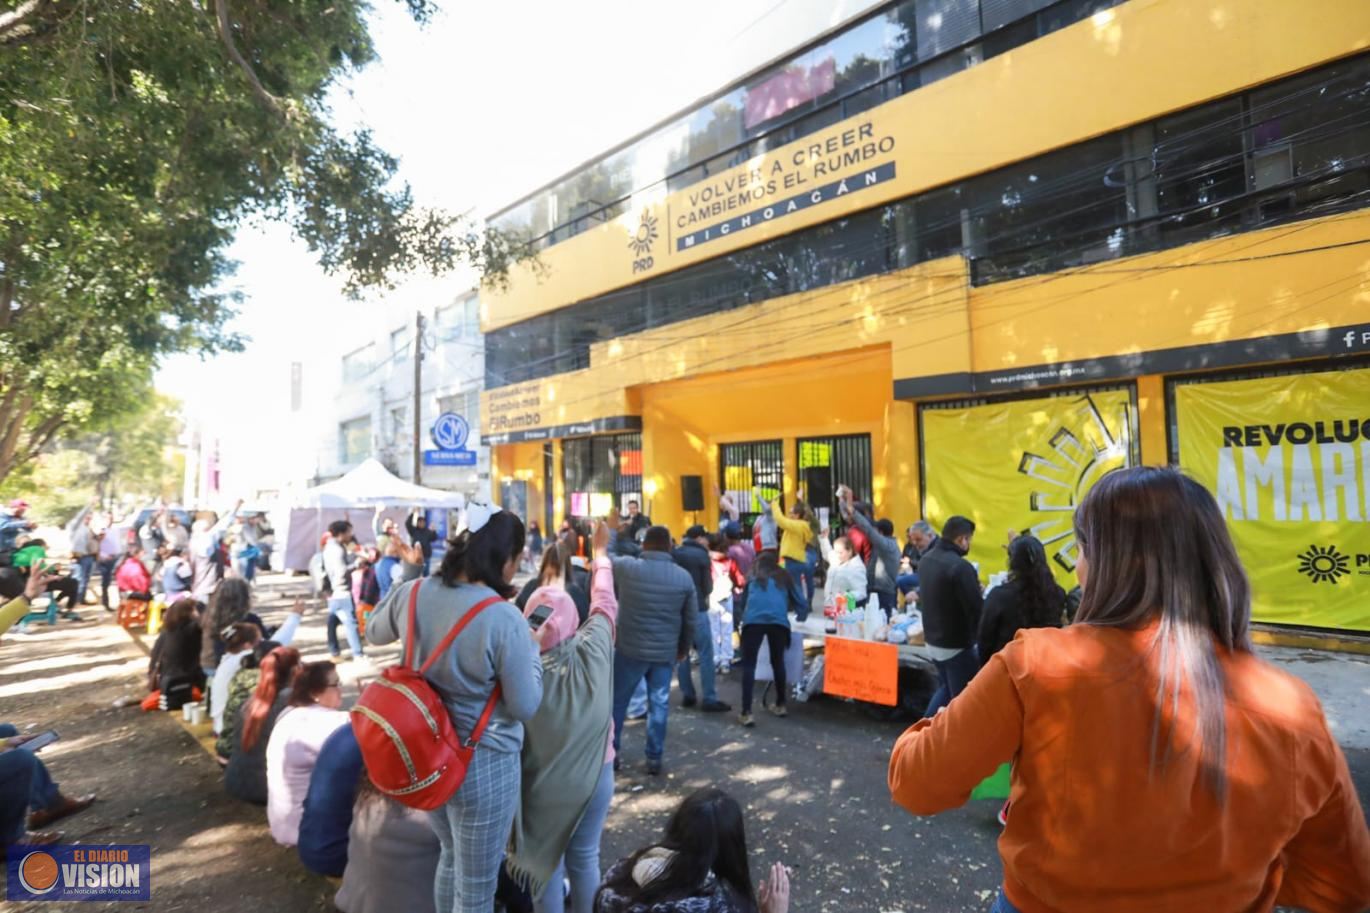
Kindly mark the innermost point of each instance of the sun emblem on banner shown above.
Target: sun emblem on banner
(1078, 452)
(641, 243)
(1324, 565)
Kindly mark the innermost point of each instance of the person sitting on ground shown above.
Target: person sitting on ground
(327, 812)
(846, 573)
(230, 604)
(245, 774)
(556, 569)
(701, 865)
(1030, 598)
(1158, 764)
(309, 718)
(33, 555)
(175, 658)
(240, 690)
(771, 595)
(132, 578)
(568, 748)
(240, 639)
(394, 856)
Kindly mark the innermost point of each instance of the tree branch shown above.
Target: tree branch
(12, 412)
(17, 18)
(40, 437)
(271, 102)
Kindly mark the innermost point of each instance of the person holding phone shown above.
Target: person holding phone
(568, 747)
(41, 797)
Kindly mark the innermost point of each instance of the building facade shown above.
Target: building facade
(371, 413)
(966, 256)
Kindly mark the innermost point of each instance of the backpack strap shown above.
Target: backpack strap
(411, 631)
(457, 628)
(479, 731)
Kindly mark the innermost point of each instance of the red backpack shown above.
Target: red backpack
(411, 749)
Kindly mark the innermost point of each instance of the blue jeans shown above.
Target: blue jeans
(906, 583)
(627, 673)
(43, 791)
(85, 566)
(953, 675)
(704, 646)
(802, 575)
(340, 607)
(581, 861)
(385, 569)
(1002, 905)
(637, 705)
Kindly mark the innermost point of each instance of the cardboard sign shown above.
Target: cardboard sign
(861, 669)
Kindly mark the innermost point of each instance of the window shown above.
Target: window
(601, 473)
(358, 365)
(753, 465)
(399, 343)
(458, 320)
(400, 432)
(791, 99)
(1290, 150)
(826, 462)
(354, 440)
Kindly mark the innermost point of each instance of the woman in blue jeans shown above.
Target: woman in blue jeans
(28, 795)
(568, 749)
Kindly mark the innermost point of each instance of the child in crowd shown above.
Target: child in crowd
(727, 578)
(312, 714)
(699, 866)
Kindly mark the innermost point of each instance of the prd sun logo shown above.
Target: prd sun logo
(1324, 565)
(641, 243)
(1084, 445)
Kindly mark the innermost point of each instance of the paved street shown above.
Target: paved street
(813, 785)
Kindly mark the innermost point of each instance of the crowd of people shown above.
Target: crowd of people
(1144, 734)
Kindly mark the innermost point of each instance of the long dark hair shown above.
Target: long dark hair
(231, 602)
(767, 569)
(556, 564)
(706, 834)
(1156, 546)
(308, 681)
(1043, 600)
(480, 557)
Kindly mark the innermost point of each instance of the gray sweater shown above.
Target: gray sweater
(392, 859)
(883, 569)
(656, 607)
(495, 645)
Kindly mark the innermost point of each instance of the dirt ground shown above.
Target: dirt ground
(813, 786)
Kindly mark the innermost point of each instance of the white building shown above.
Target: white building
(366, 395)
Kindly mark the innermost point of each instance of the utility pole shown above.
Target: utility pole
(418, 397)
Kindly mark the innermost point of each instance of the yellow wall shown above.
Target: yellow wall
(1144, 59)
(1151, 420)
(521, 462)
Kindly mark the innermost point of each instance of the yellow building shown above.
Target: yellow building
(966, 263)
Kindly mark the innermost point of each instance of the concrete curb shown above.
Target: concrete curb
(1308, 640)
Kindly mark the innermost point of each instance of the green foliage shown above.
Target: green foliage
(134, 137)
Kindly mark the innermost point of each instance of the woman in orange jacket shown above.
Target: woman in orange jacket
(1157, 763)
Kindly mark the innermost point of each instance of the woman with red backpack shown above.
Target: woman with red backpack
(494, 650)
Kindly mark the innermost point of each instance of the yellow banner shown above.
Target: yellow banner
(1024, 466)
(1289, 460)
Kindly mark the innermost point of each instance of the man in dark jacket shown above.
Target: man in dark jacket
(951, 603)
(656, 627)
(420, 534)
(693, 556)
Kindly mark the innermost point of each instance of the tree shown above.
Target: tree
(135, 135)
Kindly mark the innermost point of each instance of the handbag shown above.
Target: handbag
(409, 745)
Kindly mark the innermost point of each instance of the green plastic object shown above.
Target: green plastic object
(995, 786)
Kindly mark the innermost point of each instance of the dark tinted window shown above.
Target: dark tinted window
(1200, 172)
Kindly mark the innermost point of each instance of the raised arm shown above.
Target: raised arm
(602, 598)
(789, 524)
(725, 503)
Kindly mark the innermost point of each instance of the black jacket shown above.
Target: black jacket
(950, 597)
(422, 536)
(1005, 614)
(573, 589)
(694, 558)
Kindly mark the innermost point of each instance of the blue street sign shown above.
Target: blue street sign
(450, 432)
(449, 458)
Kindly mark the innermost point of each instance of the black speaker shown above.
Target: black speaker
(691, 492)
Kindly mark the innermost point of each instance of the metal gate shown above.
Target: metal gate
(601, 473)
(825, 463)
(744, 467)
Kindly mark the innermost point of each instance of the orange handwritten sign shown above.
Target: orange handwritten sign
(862, 670)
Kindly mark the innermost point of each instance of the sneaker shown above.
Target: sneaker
(746, 720)
(779, 710)
(688, 701)
(716, 707)
(634, 718)
(653, 768)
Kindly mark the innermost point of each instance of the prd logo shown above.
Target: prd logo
(641, 242)
(1324, 565)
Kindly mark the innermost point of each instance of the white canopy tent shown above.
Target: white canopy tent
(358, 497)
